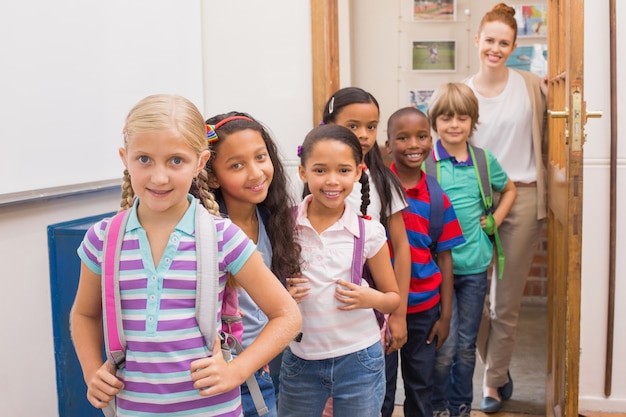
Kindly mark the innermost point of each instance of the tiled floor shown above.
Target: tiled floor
(527, 370)
(529, 381)
(475, 413)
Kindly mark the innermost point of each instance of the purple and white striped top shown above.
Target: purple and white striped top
(158, 314)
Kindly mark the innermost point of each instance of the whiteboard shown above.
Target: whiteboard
(71, 70)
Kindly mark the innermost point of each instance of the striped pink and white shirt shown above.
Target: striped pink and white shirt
(328, 332)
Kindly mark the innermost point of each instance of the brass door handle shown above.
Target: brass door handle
(555, 114)
(594, 114)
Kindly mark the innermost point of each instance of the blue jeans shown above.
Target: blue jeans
(356, 382)
(418, 359)
(456, 359)
(267, 390)
(275, 365)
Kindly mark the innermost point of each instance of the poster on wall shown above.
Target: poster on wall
(434, 55)
(434, 10)
(533, 58)
(531, 20)
(419, 99)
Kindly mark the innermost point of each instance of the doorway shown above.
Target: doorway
(370, 52)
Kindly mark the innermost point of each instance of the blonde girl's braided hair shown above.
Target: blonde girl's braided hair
(166, 111)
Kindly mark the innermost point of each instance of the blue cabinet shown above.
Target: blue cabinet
(63, 240)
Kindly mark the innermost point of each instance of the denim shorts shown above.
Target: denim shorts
(267, 390)
(356, 382)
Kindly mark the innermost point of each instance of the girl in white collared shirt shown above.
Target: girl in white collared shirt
(339, 354)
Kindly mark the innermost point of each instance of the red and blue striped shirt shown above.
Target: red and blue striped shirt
(425, 274)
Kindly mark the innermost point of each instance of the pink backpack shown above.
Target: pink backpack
(231, 316)
(207, 289)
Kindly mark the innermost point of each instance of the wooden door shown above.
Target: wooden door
(566, 132)
(325, 51)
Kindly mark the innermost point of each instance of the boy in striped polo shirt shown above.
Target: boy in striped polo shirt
(429, 304)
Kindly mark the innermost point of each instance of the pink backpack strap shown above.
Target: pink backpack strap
(357, 255)
(360, 270)
(115, 342)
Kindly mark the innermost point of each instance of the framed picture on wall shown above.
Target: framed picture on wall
(533, 58)
(531, 20)
(420, 99)
(434, 10)
(438, 55)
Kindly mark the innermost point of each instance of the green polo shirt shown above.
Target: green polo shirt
(458, 179)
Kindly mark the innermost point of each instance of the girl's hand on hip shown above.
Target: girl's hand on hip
(213, 375)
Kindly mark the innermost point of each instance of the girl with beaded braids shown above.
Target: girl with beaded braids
(358, 110)
(250, 186)
(339, 354)
(169, 370)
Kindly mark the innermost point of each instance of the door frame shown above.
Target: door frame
(560, 190)
(567, 117)
(325, 51)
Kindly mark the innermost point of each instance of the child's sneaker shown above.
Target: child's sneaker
(464, 411)
(441, 413)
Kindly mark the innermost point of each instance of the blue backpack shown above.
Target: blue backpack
(435, 226)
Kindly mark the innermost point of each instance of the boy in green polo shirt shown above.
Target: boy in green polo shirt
(454, 113)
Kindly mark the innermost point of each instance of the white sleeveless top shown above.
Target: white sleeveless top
(505, 128)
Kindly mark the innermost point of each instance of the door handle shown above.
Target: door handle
(561, 114)
(594, 114)
(556, 114)
(591, 115)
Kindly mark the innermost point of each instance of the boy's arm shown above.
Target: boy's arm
(402, 270)
(441, 328)
(506, 202)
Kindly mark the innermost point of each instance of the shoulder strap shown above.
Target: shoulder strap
(432, 168)
(483, 172)
(206, 293)
(357, 255)
(207, 283)
(207, 290)
(360, 271)
(115, 342)
(435, 224)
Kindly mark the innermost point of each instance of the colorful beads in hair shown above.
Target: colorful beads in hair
(211, 130)
(211, 136)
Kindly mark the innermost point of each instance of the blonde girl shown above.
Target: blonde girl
(169, 371)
